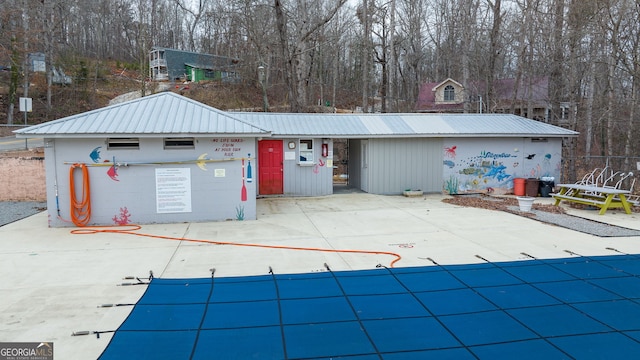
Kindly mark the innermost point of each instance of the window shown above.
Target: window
(564, 112)
(306, 152)
(210, 74)
(449, 93)
(123, 143)
(179, 143)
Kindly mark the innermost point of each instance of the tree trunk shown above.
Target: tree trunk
(14, 78)
(25, 41)
(610, 105)
(468, 21)
(628, 145)
(589, 106)
(365, 56)
(281, 24)
(494, 51)
(47, 16)
(391, 90)
(555, 78)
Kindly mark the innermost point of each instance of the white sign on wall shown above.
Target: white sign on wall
(173, 190)
(289, 155)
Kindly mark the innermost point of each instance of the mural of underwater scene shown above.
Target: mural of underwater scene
(489, 166)
(479, 167)
(544, 165)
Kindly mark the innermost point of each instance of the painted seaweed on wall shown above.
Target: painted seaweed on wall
(239, 212)
(123, 218)
(451, 185)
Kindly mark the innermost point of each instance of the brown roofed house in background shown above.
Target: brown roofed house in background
(530, 98)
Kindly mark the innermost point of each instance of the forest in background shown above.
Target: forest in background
(350, 54)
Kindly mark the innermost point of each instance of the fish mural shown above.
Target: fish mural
(113, 171)
(497, 172)
(95, 154)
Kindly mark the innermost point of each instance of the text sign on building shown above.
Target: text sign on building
(173, 190)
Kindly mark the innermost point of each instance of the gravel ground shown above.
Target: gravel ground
(11, 211)
(587, 226)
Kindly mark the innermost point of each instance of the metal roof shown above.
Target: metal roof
(169, 114)
(165, 114)
(402, 125)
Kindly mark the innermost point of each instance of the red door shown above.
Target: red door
(270, 167)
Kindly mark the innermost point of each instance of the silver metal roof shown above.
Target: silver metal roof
(402, 125)
(169, 114)
(165, 114)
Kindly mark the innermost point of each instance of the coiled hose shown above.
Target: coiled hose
(80, 210)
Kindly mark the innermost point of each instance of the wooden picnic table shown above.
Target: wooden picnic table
(601, 197)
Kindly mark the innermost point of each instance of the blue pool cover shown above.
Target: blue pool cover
(578, 307)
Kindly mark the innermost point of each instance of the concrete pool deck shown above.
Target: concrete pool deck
(54, 280)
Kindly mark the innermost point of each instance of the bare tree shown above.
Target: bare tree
(413, 65)
(495, 47)
(297, 25)
(193, 22)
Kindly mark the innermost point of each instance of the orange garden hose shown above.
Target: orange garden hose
(80, 210)
(81, 214)
(131, 230)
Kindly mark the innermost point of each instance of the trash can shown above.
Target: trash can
(518, 186)
(532, 186)
(546, 186)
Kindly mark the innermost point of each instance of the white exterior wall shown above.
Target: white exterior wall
(215, 187)
(491, 164)
(392, 166)
(308, 180)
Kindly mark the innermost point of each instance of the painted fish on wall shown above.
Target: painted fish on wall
(95, 154)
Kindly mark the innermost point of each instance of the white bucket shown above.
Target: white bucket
(525, 203)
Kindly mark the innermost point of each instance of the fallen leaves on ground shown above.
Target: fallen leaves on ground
(499, 203)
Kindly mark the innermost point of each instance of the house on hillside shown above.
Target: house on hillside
(172, 64)
(530, 98)
(165, 158)
(37, 63)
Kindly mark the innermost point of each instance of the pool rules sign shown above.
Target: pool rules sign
(173, 190)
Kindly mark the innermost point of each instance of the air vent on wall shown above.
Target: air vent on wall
(123, 143)
(179, 143)
(539, 139)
